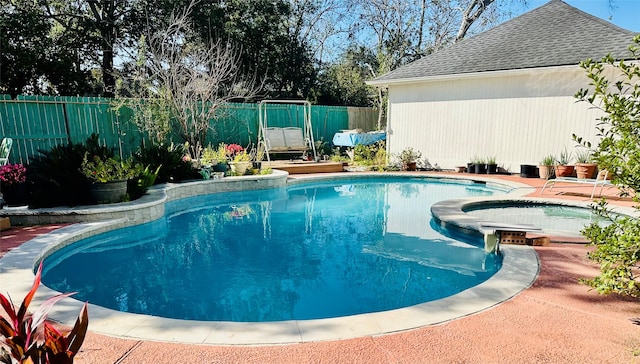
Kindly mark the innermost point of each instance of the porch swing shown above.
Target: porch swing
(287, 140)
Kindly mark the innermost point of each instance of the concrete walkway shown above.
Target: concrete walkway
(557, 320)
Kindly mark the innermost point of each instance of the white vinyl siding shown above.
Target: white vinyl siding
(518, 117)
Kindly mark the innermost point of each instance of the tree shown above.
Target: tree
(186, 79)
(343, 83)
(470, 15)
(36, 57)
(616, 92)
(260, 29)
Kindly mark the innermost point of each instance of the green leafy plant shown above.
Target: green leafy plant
(615, 90)
(107, 170)
(54, 176)
(548, 161)
(337, 156)
(241, 156)
(583, 156)
(258, 152)
(409, 155)
(564, 158)
(209, 156)
(138, 186)
(172, 159)
(323, 148)
(374, 155)
(491, 160)
(31, 339)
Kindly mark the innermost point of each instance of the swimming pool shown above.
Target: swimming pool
(237, 256)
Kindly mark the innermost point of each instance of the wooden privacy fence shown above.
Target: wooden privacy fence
(41, 122)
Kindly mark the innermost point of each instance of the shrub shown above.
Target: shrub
(54, 176)
(617, 245)
(138, 186)
(174, 166)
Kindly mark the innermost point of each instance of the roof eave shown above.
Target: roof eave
(472, 75)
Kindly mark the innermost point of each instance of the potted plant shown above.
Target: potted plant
(13, 184)
(563, 168)
(492, 166)
(240, 159)
(109, 177)
(585, 168)
(545, 169)
(209, 157)
(221, 158)
(471, 164)
(257, 154)
(31, 338)
(480, 166)
(408, 159)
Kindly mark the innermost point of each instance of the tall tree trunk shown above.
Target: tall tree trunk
(470, 15)
(107, 70)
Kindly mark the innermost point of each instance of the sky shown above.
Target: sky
(625, 13)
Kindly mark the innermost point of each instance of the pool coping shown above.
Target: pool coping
(520, 269)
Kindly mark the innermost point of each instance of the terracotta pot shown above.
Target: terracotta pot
(564, 171)
(545, 172)
(586, 170)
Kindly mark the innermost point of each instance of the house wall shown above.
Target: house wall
(517, 116)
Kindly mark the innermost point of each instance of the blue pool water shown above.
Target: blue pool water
(304, 252)
(554, 219)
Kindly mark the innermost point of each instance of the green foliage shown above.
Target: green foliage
(37, 57)
(564, 158)
(617, 251)
(138, 185)
(409, 155)
(172, 159)
(54, 176)
(343, 83)
(31, 339)
(371, 155)
(548, 161)
(211, 156)
(323, 148)
(616, 91)
(269, 50)
(107, 170)
(583, 155)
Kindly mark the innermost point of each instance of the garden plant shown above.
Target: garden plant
(617, 246)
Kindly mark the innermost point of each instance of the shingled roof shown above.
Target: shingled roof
(555, 34)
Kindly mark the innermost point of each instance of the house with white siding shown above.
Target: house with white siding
(507, 92)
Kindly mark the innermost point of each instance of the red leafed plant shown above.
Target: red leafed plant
(30, 339)
(233, 149)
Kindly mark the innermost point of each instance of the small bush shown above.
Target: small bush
(174, 167)
(54, 177)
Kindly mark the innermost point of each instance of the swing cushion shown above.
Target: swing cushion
(284, 139)
(294, 138)
(274, 139)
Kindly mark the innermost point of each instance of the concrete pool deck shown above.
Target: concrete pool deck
(542, 324)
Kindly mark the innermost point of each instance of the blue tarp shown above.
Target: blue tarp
(352, 139)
